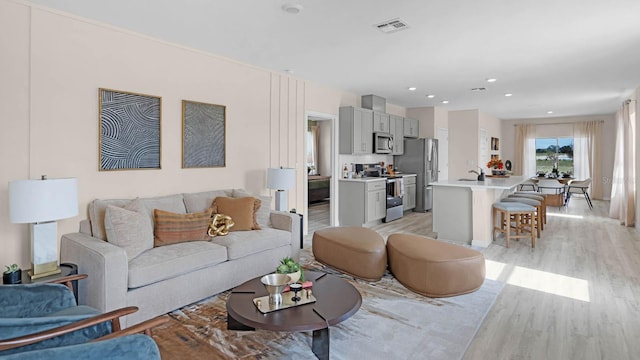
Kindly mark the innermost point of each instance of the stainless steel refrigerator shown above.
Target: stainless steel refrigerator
(420, 157)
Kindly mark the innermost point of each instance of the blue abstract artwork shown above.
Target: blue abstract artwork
(203, 135)
(129, 131)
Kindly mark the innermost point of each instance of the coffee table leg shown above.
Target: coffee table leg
(233, 324)
(320, 343)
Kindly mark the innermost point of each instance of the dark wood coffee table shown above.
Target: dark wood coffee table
(336, 301)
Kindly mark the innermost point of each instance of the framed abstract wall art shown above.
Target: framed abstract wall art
(129, 130)
(203, 135)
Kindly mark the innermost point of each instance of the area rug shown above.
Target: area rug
(392, 323)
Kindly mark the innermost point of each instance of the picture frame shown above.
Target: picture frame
(203, 135)
(129, 130)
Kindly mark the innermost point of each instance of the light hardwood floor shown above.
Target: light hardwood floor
(575, 296)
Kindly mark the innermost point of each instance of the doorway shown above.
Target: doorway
(320, 177)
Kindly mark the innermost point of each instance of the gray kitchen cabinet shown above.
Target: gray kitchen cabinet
(356, 130)
(409, 197)
(411, 128)
(396, 127)
(380, 122)
(361, 202)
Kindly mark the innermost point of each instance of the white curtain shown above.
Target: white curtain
(623, 187)
(525, 156)
(586, 154)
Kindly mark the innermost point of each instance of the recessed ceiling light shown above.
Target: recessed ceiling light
(288, 71)
(431, 96)
(492, 80)
(292, 8)
(549, 112)
(508, 94)
(413, 88)
(479, 89)
(445, 101)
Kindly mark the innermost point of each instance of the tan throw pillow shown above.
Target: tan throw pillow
(171, 228)
(241, 210)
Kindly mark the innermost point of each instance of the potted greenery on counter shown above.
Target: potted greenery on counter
(13, 275)
(292, 268)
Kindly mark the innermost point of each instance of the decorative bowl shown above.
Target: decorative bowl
(275, 285)
(295, 276)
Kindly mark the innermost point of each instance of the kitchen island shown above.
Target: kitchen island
(462, 208)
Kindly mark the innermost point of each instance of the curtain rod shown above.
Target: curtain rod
(558, 123)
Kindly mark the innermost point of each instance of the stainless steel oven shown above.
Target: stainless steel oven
(395, 192)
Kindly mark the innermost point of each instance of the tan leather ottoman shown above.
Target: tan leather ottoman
(356, 251)
(434, 268)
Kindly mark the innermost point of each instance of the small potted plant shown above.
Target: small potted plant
(292, 268)
(13, 275)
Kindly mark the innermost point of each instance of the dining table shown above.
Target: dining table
(563, 180)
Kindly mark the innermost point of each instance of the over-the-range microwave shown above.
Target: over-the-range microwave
(383, 143)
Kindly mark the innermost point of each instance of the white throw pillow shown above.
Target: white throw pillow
(129, 228)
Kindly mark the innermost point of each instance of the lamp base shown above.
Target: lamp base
(44, 250)
(281, 200)
(43, 270)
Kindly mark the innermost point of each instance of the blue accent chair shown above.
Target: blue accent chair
(42, 320)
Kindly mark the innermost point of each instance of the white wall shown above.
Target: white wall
(563, 126)
(463, 143)
(52, 66)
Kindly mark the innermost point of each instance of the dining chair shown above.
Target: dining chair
(528, 184)
(579, 187)
(554, 191)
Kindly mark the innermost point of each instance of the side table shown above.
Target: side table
(69, 277)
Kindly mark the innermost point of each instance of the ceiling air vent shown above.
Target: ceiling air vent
(392, 26)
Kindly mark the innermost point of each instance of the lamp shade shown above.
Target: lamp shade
(33, 201)
(281, 178)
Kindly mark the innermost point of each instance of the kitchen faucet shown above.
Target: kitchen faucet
(480, 175)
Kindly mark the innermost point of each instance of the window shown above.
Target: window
(554, 153)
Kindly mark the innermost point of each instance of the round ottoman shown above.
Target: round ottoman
(434, 268)
(357, 251)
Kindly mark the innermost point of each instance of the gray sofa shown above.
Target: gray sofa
(164, 278)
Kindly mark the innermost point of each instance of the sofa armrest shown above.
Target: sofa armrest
(107, 268)
(290, 222)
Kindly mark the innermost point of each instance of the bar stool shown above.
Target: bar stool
(536, 196)
(537, 219)
(519, 212)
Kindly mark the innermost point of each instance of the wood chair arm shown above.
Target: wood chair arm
(113, 316)
(68, 280)
(143, 327)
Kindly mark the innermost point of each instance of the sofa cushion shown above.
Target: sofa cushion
(197, 202)
(166, 262)
(97, 208)
(263, 216)
(241, 244)
(241, 210)
(172, 203)
(129, 228)
(171, 228)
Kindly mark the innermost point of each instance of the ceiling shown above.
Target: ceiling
(571, 57)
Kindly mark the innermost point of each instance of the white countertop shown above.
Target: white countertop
(489, 183)
(366, 179)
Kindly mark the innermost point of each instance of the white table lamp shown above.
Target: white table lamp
(40, 203)
(281, 179)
